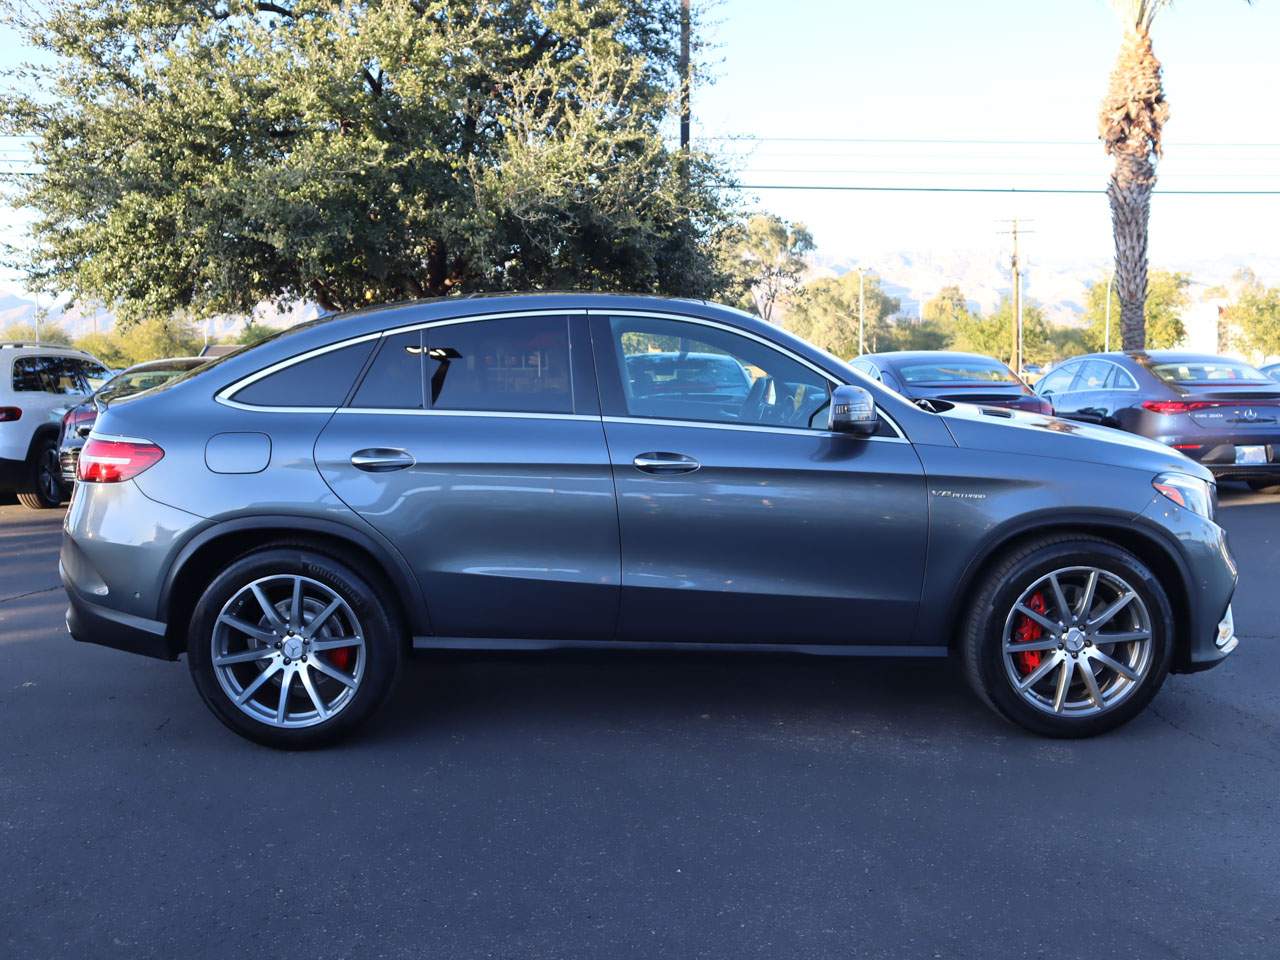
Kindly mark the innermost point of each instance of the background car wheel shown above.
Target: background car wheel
(45, 485)
(1264, 486)
(1068, 637)
(291, 648)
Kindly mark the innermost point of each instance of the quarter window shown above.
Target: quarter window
(320, 381)
(49, 374)
(683, 371)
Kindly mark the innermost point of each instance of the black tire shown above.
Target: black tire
(45, 489)
(379, 626)
(1264, 486)
(983, 630)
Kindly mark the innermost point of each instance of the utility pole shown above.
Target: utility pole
(1015, 358)
(685, 29)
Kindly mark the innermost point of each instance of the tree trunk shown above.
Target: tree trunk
(1130, 196)
(1130, 122)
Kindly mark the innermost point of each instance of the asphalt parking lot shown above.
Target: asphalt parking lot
(633, 806)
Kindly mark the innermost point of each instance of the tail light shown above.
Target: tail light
(111, 461)
(1166, 406)
(8, 414)
(1045, 406)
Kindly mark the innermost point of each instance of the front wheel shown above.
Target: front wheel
(44, 488)
(291, 648)
(1068, 637)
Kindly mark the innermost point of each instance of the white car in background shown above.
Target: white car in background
(38, 383)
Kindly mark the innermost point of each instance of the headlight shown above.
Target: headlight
(1187, 491)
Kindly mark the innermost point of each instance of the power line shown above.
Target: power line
(1056, 190)
(750, 138)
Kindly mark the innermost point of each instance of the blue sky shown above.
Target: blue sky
(988, 70)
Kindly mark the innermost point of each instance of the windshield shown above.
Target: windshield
(957, 371)
(1208, 371)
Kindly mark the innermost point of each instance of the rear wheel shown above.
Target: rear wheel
(1068, 637)
(44, 488)
(291, 648)
(1264, 486)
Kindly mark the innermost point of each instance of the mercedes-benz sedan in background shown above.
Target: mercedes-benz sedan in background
(1220, 412)
(500, 473)
(950, 376)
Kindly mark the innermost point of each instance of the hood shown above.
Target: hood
(1037, 435)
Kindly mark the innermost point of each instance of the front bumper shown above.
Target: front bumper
(1206, 632)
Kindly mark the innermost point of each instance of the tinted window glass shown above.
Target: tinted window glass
(1094, 375)
(1058, 381)
(62, 375)
(321, 381)
(1218, 370)
(515, 364)
(684, 371)
(394, 380)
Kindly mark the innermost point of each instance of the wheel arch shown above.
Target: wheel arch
(212, 548)
(1144, 540)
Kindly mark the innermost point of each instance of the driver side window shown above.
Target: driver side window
(673, 370)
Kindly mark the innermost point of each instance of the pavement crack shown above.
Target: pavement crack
(30, 593)
(1201, 738)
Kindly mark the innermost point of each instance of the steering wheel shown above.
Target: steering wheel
(760, 399)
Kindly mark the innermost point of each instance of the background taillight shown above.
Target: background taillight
(111, 461)
(10, 413)
(78, 417)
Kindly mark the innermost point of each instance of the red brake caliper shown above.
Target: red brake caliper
(341, 657)
(1028, 631)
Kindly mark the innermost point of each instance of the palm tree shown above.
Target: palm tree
(1129, 125)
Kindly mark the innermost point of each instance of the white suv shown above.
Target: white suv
(38, 383)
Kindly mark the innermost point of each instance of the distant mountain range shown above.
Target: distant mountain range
(1059, 287)
(76, 321)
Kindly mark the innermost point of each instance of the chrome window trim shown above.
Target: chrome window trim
(685, 318)
(747, 428)
(503, 414)
(224, 396)
(1132, 380)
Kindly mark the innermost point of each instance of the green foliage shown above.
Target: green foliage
(1167, 298)
(1256, 312)
(203, 157)
(255, 332)
(765, 256)
(49, 333)
(826, 314)
(948, 307)
(153, 338)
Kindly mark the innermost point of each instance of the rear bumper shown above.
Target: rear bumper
(90, 622)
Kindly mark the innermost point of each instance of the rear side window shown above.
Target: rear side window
(394, 380)
(320, 381)
(61, 375)
(512, 364)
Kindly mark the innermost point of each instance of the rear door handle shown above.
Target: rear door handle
(662, 462)
(381, 459)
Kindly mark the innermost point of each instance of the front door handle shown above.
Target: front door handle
(381, 459)
(661, 462)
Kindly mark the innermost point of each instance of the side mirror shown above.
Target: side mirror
(853, 410)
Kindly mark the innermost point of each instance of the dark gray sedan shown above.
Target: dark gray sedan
(1220, 412)
(530, 472)
(951, 376)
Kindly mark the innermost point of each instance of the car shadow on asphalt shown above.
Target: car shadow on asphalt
(476, 691)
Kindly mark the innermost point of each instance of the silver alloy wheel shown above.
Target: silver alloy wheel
(1077, 642)
(288, 651)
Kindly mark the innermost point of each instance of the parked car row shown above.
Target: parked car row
(615, 472)
(1217, 411)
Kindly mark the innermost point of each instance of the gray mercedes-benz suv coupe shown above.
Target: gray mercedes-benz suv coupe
(512, 473)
